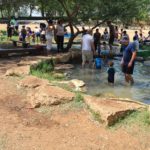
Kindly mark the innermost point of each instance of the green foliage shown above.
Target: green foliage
(144, 54)
(96, 116)
(78, 100)
(78, 97)
(146, 47)
(45, 66)
(49, 76)
(145, 116)
(139, 118)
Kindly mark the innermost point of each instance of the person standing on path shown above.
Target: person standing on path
(23, 33)
(128, 60)
(88, 48)
(49, 35)
(97, 38)
(9, 32)
(60, 31)
(112, 34)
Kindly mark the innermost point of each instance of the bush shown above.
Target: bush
(79, 97)
(45, 66)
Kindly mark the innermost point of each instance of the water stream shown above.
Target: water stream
(96, 82)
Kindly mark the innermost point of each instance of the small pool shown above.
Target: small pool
(96, 82)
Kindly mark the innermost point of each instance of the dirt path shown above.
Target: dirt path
(57, 128)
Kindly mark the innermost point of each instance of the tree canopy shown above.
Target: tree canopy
(124, 10)
(80, 11)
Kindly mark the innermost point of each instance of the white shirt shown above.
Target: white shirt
(60, 30)
(136, 44)
(87, 39)
(37, 30)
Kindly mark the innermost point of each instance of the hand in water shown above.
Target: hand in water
(130, 64)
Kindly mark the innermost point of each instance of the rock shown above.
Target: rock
(63, 67)
(58, 75)
(18, 71)
(48, 95)
(148, 58)
(24, 63)
(32, 82)
(75, 84)
(76, 55)
(111, 110)
(147, 63)
(63, 58)
(78, 84)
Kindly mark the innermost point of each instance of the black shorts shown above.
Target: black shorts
(128, 70)
(43, 37)
(111, 40)
(110, 80)
(9, 35)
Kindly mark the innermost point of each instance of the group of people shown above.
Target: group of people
(92, 52)
(43, 34)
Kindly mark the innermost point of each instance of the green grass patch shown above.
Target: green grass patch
(79, 97)
(78, 100)
(144, 54)
(146, 47)
(45, 66)
(4, 39)
(139, 118)
(45, 70)
(49, 76)
(96, 116)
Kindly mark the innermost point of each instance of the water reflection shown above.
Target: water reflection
(96, 82)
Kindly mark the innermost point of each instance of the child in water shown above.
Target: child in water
(105, 52)
(111, 73)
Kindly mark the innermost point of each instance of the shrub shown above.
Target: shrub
(45, 66)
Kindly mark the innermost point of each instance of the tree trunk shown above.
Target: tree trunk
(74, 35)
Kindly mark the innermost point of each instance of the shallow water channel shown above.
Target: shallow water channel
(96, 82)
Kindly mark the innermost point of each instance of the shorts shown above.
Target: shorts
(43, 38)
(110, 80)
(9, 35)
(111, 40)
(87, 56)
(128, 70)
(38, 34)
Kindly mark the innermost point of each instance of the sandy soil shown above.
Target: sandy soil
(61, 127)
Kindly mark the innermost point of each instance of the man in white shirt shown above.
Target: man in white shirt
(88, 48)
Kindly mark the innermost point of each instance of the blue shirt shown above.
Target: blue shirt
(98, 63)
(127, 54)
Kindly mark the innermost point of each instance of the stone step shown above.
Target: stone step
(110, 110)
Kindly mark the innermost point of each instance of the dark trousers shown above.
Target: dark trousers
(60, 43)
(97, 47)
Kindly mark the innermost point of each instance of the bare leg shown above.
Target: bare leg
(83, 64)
(126, 78)
(129, 79)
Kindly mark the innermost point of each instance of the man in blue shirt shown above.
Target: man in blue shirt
(128, 60)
